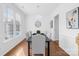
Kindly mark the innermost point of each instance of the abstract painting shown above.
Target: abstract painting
(72, 19)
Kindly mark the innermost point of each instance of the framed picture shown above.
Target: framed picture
(51, 24)
(73, 19)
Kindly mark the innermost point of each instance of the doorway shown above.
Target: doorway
(56, 28)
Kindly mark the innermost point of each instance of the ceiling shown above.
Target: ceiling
(43, 9)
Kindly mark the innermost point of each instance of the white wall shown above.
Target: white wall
(67, 37)
(45, 26)
(6, 46)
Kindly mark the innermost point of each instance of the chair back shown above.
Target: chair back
(38, 45)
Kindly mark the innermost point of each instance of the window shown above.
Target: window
(12, 23)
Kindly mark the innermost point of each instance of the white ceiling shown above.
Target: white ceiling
(43, 9)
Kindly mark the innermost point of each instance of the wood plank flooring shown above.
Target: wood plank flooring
(22, 50)
(55, 50)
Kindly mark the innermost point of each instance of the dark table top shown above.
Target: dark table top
(47, 40)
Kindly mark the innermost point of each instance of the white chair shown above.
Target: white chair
(38, 45)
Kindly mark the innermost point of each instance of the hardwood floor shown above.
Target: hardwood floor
(22, 50)
(46, 52)
(55, 50)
